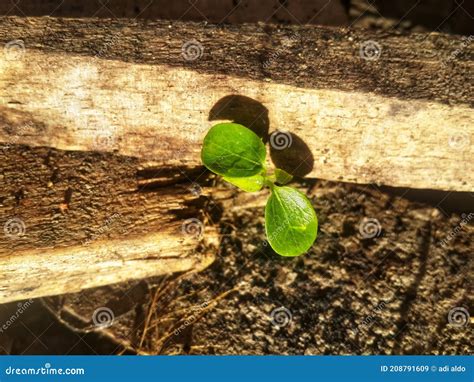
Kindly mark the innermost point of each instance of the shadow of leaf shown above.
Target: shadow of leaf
(243, 110)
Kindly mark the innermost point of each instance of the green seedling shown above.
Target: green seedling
(238, 155)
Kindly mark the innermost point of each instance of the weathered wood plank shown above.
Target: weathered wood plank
(405, 119)
(75, 220)
(101, 125)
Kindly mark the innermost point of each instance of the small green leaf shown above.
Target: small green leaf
(250, 183)
(282, 177)
(232, 150)
(290, 221)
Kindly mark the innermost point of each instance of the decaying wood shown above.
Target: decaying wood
(75, 220)
(404, 119)
(101, 123)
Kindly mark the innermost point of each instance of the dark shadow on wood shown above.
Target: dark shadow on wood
(290, 153)
(243, 110)
(447, 201)
(287, 150)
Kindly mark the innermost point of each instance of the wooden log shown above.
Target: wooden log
(102, 120)
(399, 115)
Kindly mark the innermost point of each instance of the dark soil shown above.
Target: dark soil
(390, 294)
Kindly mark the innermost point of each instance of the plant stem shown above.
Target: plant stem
(269, 183)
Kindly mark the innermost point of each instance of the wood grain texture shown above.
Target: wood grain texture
(75, 220)
(404, 119)
(101, 123)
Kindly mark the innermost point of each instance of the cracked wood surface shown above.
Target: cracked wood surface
(404, 119)
(75, 220)
(101, 123)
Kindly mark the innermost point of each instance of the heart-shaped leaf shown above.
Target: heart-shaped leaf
(290, 221)
(232, 150)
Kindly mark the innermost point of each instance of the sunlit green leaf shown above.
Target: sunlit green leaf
(232, 150)
(282, 177)
(290, 221)
(250, 183)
